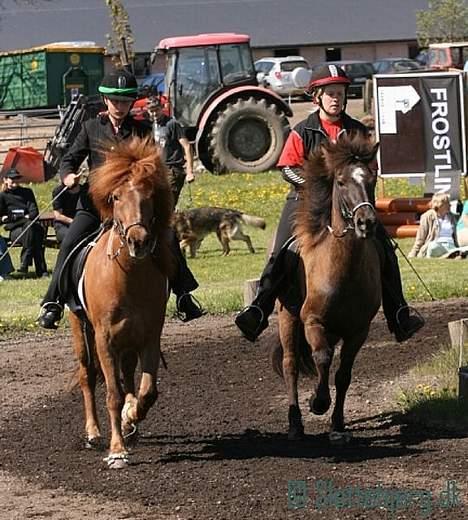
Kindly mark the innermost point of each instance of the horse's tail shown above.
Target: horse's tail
(252, 220)
(302, 352)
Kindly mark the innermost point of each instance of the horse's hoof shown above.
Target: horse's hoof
(339, 438)
(319, 406)
(117, 460)
(129, 428)
(94, 443)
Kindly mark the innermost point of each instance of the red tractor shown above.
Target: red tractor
(212, 90)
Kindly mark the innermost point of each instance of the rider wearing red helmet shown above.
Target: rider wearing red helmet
(328, 90)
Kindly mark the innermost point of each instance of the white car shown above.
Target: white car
(276, 74)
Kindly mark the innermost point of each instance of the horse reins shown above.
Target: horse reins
(348, 215)
(16, 240)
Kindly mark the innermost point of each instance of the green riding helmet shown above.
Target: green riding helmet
(119, 85)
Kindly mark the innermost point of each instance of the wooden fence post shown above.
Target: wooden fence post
(458, 333)
(250, 290)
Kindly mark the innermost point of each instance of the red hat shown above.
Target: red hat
(327, 75)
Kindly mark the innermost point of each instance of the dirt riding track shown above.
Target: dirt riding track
(214, 446)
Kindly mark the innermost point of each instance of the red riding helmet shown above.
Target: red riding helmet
(328, 75)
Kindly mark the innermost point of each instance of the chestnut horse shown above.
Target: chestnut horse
(125, 286)
(339, 273)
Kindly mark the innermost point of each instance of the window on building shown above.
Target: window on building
(281, 53)
(332, 54)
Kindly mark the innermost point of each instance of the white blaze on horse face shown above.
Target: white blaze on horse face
(358, 174)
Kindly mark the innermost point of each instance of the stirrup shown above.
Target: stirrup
(182, 315)
(51, 306)
(259, 309)
(248, 333)
(411, 312)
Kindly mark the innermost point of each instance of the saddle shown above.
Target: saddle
(70, 283)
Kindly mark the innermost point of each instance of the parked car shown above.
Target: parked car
(357, 71)
(396, 65)
(276, 74)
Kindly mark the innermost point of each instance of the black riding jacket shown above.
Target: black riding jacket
(97, 135)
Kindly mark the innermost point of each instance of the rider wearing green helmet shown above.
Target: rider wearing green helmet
(119, 90)
(119, 85)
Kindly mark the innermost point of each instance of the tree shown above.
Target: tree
(443, 21)
(120, 42)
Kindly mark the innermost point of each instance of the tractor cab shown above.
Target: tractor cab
(211, 89)
(201, 67)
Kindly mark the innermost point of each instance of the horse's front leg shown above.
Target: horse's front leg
(87, 381)
(289, 335)
(118, 456)
(349, 350)
(136, 409)
(322, 354)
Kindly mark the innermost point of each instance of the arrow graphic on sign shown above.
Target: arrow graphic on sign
(401, 98)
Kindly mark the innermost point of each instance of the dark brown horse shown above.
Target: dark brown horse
(340, 277)
(125, 284)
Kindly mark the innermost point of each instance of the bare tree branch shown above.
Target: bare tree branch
(120, 42)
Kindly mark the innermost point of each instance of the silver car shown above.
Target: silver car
(276, 74)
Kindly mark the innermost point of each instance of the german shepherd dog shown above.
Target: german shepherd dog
(193, 225)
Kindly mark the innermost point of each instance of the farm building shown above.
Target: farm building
(319, 31)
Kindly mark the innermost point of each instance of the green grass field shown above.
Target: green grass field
(222, 278)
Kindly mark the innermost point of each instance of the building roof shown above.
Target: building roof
(270, 23)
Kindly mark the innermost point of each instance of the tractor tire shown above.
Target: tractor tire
(247, 136)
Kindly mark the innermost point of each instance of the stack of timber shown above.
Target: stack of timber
(401, 216)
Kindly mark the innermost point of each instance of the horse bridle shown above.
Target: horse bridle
(122, 232)
(348, 215)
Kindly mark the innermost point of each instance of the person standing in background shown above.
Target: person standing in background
(176, 148)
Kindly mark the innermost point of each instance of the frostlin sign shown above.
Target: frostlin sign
(421, 128)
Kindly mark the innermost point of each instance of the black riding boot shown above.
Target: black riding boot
(253, 320)
(182, 284)
(400, 321)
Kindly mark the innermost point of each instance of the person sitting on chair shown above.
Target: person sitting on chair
(6, 265)
(119, 90)
(64, 202)
(328, 89)
(18, 209)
